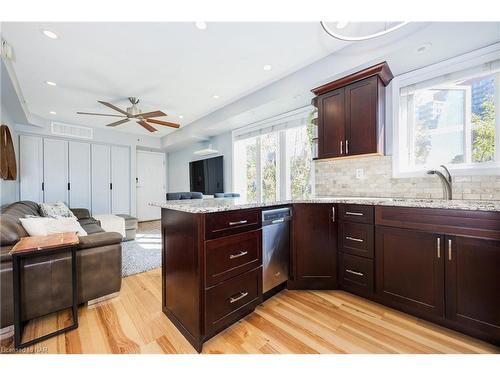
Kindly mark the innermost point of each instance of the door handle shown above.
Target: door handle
(240, 254)
(231, 223)
(354, 239)
(449, 249)
(341, 150)
(347, 147)
(333, 214)
(355, 272)
(236, 299)
(438, 246)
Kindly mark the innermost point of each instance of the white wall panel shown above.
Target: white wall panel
(30, 168)
(120, 178)
(55, 170)
(101, 179)
(79, 175)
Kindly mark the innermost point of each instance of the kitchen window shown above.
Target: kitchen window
(272, 160)
(449, 116)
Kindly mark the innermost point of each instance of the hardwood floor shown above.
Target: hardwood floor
(290, 322)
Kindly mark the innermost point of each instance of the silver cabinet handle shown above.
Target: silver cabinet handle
(347, 146)
(240, 254)
(449, 249)
(236, 299)
(354, 213)
(355, 273)
(438, 246)
(278, 221)
(231, 223)
(341, 150)
(354, 239)
(333, 214)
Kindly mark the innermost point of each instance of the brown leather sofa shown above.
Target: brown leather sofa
(47, 279)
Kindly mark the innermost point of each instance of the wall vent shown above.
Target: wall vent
(74, 131)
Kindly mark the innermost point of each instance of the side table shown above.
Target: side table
(35, 246)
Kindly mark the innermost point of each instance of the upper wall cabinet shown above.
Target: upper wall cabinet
(351, 113)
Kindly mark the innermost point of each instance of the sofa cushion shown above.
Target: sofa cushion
(100, 239)
(55, 210)
(92, 228)
(10, 226)
(4, 254)
(81, 213)
(43, 226)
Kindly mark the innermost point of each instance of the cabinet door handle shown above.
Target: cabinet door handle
(240, 254)
(355, 272)
(354, 239)
(449, 249)
(231, 223)
(341, 149)
(438, 246)
(333, 214)
(354, 213)
(347, 147)
(236, 299)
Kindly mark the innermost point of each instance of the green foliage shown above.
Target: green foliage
(251, 168)
(483, 133)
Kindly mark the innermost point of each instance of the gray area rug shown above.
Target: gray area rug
(143, 254)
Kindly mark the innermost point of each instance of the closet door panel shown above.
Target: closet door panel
(120, 179)
(30, 168)
(55, 170)
(79, 175)
(101, 179)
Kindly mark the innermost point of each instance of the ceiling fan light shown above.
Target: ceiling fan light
(341, 24)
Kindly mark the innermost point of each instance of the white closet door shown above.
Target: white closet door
(101, 179)
(79, 175)
(120, 179)
(55, 170)
(30, 168)
(150, 184)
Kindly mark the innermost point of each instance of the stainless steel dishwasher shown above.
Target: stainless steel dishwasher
(275, 246)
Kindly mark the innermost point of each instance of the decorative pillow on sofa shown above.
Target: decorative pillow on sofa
(58, 209)
(42, 226)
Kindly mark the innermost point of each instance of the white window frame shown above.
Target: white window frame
(282, 190)
(469, 60)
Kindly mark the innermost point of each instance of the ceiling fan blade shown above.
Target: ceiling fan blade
(119, 122)
(146, 126)
(164, 123)
(97, 114)
(152, 114)
(113, 107)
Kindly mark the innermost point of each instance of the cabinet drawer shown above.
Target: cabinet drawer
(356, 213)
(232, 299)
(356, 238)
(229, 256)
(222, 224)
(356, 274)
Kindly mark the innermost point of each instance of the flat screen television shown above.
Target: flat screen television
(207, 175)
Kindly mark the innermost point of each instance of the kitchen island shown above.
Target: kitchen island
(434, 259)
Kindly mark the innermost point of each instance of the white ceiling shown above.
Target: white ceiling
(173, 67)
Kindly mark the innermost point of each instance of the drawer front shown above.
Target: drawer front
(356, 239)
(356, 213)
(222, 224)
(230, 256)
(356, 274)
(232, 299)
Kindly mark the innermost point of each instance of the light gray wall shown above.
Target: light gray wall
(178, 162)
(9, 190)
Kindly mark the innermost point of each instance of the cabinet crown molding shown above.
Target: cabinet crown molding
(381, 70)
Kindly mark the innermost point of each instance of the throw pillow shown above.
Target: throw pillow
(43, 226)
(58, 209)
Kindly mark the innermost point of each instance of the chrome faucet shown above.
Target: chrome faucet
(446, 181)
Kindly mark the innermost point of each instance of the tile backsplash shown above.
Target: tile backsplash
(338, 178)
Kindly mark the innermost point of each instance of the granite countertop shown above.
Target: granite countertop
(229, 204)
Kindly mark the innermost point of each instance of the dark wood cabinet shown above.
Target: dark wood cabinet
(331, 130)
(351, 114)
(314, 247)
(410, 270)
(472, 269)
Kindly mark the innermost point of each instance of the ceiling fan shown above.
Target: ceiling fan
(134, 113)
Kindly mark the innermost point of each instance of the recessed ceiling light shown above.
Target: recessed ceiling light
(216, 96)
(267, 67)
(201, 25)
(424, 47)
(53, 113)
(50, 34)
(181, 116)
(341, 24)
(50, 83)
